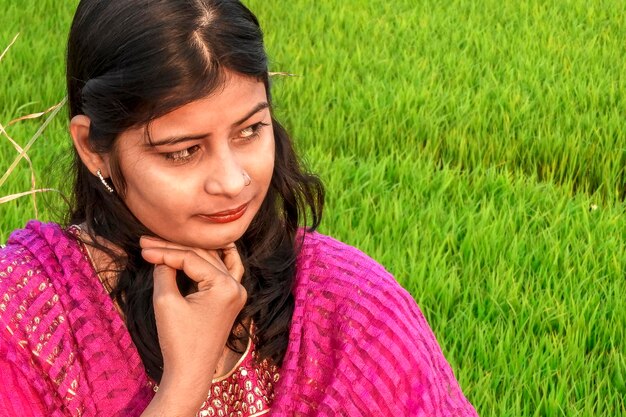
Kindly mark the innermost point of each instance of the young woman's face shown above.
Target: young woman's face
(203, 177)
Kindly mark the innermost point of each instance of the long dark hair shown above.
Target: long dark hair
(129, 62)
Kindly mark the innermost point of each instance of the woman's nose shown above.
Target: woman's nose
(225, 176)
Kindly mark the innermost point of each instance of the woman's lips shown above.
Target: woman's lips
(225, 216)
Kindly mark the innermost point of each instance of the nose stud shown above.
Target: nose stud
(246, 178)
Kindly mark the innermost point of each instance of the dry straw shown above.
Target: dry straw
(23, 151)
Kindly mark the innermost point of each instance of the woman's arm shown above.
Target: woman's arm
(192, 329)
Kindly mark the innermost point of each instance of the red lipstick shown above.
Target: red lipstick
(226, 216)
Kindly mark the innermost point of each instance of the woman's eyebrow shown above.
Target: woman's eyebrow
(261, 106)
(172, 140)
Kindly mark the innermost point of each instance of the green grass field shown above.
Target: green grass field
(475, 148)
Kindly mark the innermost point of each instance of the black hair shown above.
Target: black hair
(129, 62)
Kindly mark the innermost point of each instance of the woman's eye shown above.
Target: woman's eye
(253, 131)
(182, 155)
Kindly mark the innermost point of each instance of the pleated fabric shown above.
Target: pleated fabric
(61, 331)
(358, 344)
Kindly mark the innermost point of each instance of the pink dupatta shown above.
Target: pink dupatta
(358, 346)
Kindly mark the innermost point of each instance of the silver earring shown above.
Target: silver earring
(246, 178)
(104, 182)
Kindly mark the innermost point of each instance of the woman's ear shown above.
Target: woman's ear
(79, 129)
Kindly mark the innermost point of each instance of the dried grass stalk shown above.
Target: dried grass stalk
(23, 152)
(9, 47)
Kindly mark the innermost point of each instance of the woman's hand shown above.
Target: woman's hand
(193, 329)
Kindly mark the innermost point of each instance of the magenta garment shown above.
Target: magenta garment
(358, 345)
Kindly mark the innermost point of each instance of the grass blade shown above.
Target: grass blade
(33, 115)
(12, 197)
(32, 141)
(8, 47)
(19, 149)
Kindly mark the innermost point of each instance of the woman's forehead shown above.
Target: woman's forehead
(239, 99)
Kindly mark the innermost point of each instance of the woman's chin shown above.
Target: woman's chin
(211, 240)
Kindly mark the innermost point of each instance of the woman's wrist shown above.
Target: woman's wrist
(179, 395)
(177, 399)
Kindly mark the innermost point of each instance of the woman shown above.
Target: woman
(182, 284)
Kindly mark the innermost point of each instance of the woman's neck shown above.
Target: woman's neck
(99, 251)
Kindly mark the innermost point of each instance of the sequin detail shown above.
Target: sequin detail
(30, 308)
(246, 391)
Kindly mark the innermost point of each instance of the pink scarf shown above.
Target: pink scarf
(358, 346)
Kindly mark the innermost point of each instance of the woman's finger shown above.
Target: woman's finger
(165, 281)
(209, 255)
(232, 261)
(152, 241)
(164, 278)
(192, 264)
